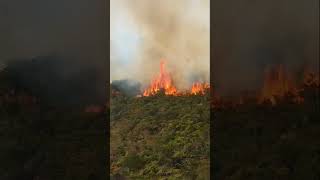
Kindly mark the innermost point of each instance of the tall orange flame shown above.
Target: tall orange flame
(277, 83)
(162, 81)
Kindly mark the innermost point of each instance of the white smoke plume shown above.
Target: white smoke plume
(143, 32)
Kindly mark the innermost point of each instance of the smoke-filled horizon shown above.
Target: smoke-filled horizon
(143, 32)
(249, 36)
(60, 41)
(75, 29)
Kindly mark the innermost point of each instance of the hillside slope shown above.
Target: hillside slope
(160, 137)
(39, 141)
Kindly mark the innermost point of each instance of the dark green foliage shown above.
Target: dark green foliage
(160, 137)
(133, 162)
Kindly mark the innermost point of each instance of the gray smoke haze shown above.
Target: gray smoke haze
(249, 35)
(143, 32)
(73, 33)
(74, 29)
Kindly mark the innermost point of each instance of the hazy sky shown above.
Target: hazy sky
(250, 35)
(125, 40)
(143, 32)
(69, 28)
(69, 37)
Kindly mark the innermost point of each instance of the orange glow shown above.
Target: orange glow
(277, 83)
(310, 78)
(162, 81)
(199, 88)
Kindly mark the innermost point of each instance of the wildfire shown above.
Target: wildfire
(278, 86)
(162, 82)
(199, 88)
(277, 83)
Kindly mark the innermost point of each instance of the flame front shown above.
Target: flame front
(162, 82)
(199, 88)
(276, 83)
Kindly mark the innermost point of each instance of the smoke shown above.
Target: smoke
(55, 81)
(68, 36)
(143, 32)
(73, 28)
(249, 36)
(127, 87)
